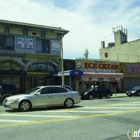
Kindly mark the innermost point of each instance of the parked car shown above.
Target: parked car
(97, 92)
(43, 96)
(7, 90)
(134, 92)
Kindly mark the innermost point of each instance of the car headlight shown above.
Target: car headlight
(12, 100)
(85, 93)
(133, 91)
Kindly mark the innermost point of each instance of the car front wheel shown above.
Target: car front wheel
(68, 103)
(108, 96)
(25, 106)
(129, 95)
(90, 97)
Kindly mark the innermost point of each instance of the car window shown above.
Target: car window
(68, 87)
(32, 91)
(58, 90)
(97, 88)
(135, 88)
(104, 89)
(46, 90)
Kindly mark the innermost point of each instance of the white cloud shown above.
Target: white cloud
(89, 22)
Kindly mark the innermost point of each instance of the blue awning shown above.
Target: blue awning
(69, 73)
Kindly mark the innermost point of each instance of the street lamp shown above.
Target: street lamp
(62, 63)
(60, 35)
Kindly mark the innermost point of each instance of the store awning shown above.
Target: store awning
(69, 73)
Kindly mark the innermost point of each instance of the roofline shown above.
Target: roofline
(30, 25)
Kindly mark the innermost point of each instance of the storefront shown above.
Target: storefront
(131, 73)
(70, 77)
(12, 72)
(99, 73)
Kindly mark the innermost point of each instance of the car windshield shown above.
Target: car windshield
(136, 88)
(32, 91)
(91, 89)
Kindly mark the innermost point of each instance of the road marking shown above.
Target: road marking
(106, 107)
(68, 119)
(89, 111)
(56, 116)
(39, 116)
(133, 104)
(22, 121)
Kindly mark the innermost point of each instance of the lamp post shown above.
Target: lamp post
(62, 63)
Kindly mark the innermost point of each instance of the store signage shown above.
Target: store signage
(103, 75)
(25, 43)
(130, 68)
(100, 66)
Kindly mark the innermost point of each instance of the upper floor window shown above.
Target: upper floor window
(7, 42)
(42, 46)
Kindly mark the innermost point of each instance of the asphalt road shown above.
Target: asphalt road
(98, 119)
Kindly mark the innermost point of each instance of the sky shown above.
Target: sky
(88, 21)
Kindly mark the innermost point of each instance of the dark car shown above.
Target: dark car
(134, 92)
(97, 92)
(7, 90)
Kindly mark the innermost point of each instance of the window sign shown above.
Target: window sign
(56, 45)
(25, 43)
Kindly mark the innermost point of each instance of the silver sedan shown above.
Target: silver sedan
(43, 96)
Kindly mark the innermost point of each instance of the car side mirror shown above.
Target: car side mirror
(37, 93)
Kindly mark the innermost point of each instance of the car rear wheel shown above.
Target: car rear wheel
(69, 103)
(3, 99)
(108, 96)
(25, 106)
(138, 94)
(90, 97)
(129, 95)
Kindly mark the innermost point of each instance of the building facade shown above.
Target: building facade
(99, 73)
(28, 53)
(127, 53)
(131, 73)
(121, 50)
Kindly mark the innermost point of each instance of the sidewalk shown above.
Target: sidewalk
(119, 95)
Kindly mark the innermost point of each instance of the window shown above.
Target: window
(42, 46)
(46, 90)
(42, 67)
(7, 42)
(9, 65)
(58, 90)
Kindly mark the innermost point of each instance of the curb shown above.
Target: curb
(117, 95)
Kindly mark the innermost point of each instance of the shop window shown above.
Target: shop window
(42, 68)
(7, 42)
(42, 46)
(8, 65)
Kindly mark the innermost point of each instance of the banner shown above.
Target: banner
(25, 43)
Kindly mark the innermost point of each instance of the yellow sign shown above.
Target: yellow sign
(94, 64)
